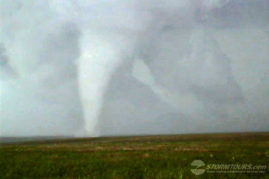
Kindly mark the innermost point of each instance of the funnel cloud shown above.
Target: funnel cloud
(97, 68)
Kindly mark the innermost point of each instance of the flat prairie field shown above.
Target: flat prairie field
(232, 155)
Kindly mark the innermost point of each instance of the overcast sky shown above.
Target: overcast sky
(186, 66)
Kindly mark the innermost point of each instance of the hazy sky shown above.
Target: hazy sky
(87, 68)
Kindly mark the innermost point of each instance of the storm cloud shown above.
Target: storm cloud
(91, 68)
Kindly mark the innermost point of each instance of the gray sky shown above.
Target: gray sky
(158, 66)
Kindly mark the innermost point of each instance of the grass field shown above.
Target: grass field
(137, 157)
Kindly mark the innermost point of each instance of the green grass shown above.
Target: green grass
(133, 157)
